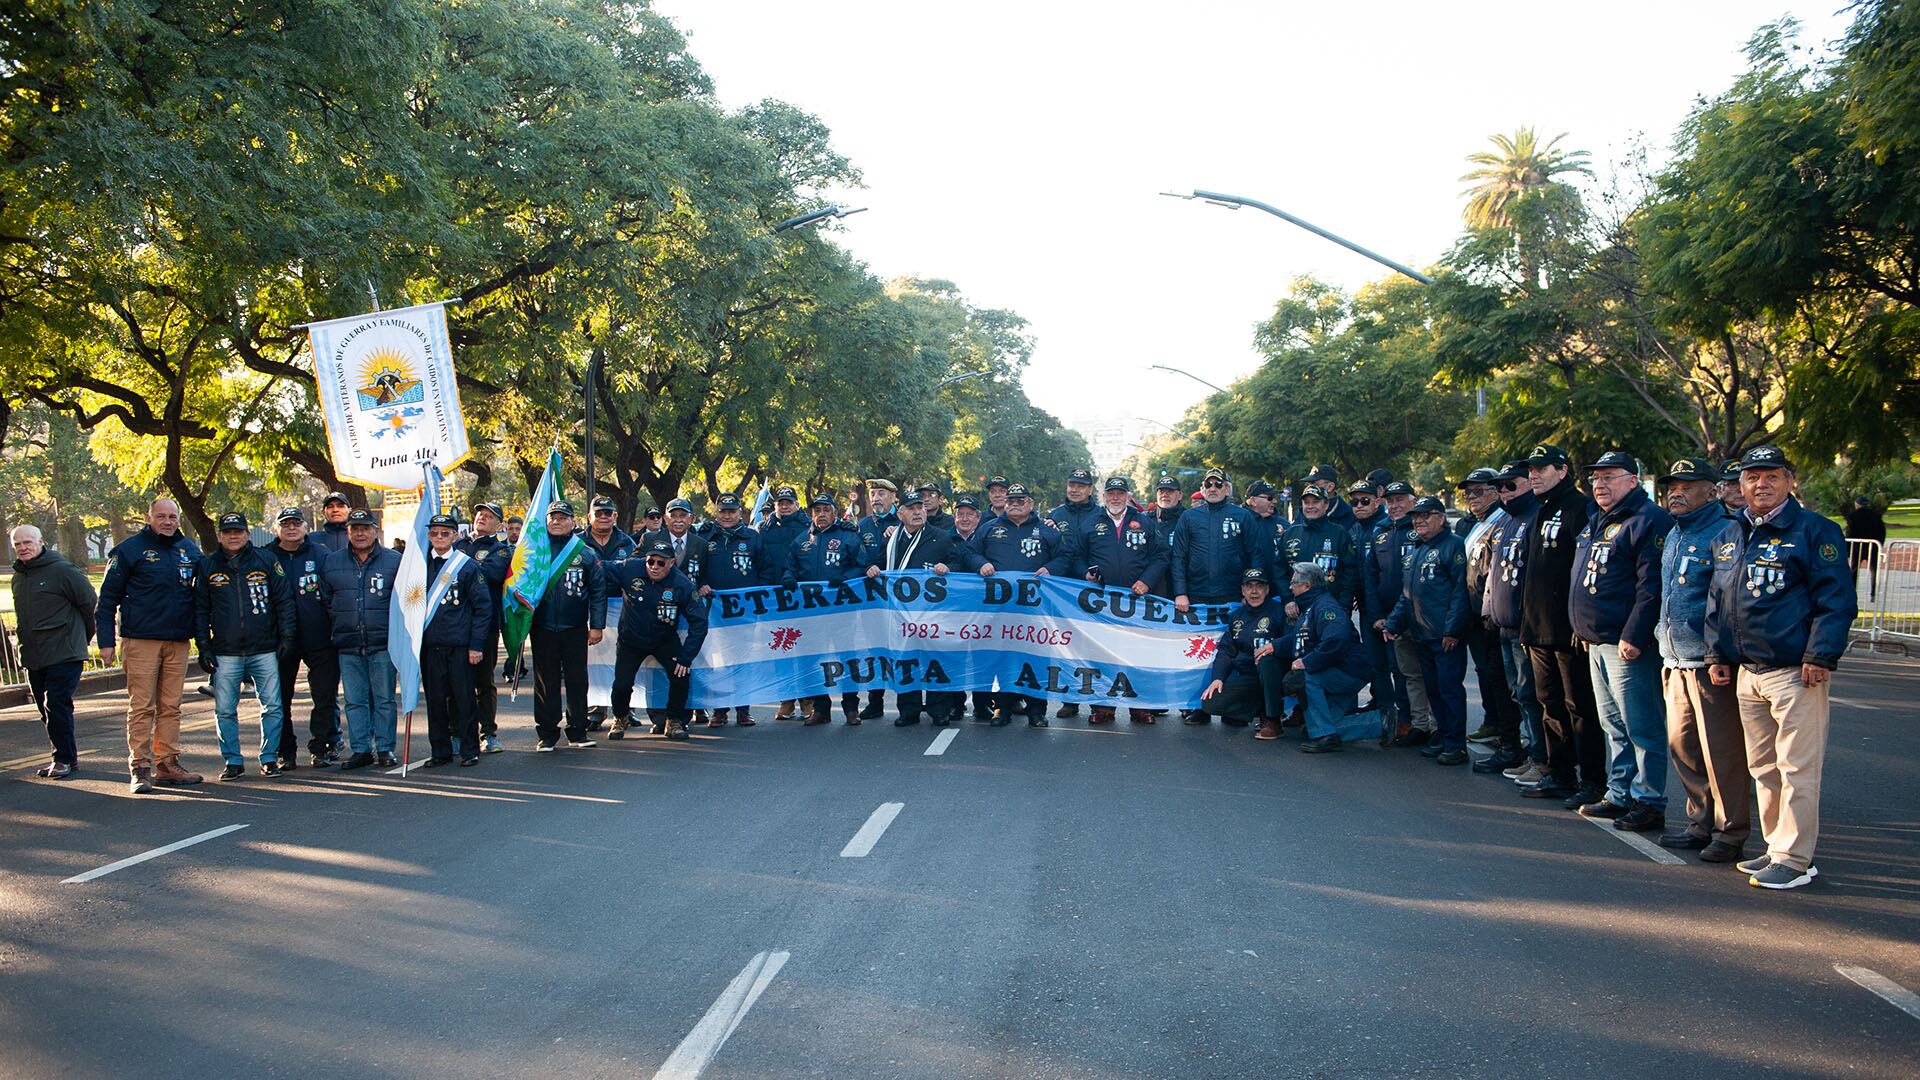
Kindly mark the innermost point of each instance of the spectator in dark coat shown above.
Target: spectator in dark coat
(53, 612)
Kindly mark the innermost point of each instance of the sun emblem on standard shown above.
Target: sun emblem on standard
(387, 379)
(416, 595)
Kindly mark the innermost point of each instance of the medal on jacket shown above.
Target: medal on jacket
(668, 610)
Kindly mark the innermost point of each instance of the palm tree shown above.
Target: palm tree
(1519, 165)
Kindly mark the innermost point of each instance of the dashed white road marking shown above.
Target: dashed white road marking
(1639, 843)
(1852, 704)
(697, 1050)
(941, 742)
(145, 855)
(1884, 988)
(869, 833)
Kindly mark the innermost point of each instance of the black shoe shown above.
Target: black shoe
(1038, 719)
(1432, 750)
(1721, 852)
(660, 726)
(1067, 711)
(1547, 789)
(1371, 706)
(206, 690)
(1001, 719)
(469, 761)
(908, 721)
(1413, 737)
(1500, 760)
(1583, 797)
(233, 772)
(1642, 819)
(357, 761)
(942, 721)
(873, 710)
(322, 760)
(1195, 717)
(1604, 808)
(1325, 744)
(272, 768)
(437, 762)
(386, 760)
(1450, 757)
(616, 733)
(1683, 841)
(1234, 721)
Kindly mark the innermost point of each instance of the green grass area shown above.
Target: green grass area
(1903, 522)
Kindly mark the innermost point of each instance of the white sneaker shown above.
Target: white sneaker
(1781, 876)
(583, 744)
(543, 748)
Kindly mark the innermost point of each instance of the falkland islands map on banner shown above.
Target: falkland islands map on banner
(388, 395)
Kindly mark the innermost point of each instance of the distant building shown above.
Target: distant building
(1111, 439)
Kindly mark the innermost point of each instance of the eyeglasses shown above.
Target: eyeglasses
(655, 560)
(1214, 484)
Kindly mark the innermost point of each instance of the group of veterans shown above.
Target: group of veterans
(1610, 634)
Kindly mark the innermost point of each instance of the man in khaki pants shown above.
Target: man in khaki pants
(1779, 610)
(149, 587)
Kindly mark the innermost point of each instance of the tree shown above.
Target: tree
(1519, 167)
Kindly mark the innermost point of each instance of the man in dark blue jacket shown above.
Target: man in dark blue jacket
(1706, 743)
(244, 622)
(736, 559)
(1071, 520)
(1022, 543)
(300, 560)
(459, 623)
(1247, 668)
(1328, 654)
(331, 536)
(883, 516)
(1506, 585)
(1263, 502)
(656, 599)
(1168, 504)
(609, 542)
(1777, 621)
(916, 545)
(1326, 543)
(149, 586)
(1431, 616)
(1122, 549)
(1576, 755)
(356, 584)
(570, 618)
(1214, 543)
(494, 557)
(1369, 516)
(780, 529)
(935, 499)
(1386, 574)
(829, 553)
(1614, 604)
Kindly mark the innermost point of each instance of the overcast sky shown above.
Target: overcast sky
(1018, 148)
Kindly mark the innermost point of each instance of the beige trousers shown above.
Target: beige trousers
(1786, 725)
(156, 674)
(1407, 654)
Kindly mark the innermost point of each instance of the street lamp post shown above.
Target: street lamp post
(1190, 375)
(815, 217)
(1169, 427)
(962, 377)
(1235, 202)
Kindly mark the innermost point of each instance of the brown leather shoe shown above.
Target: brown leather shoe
(1141, 716)
(168, 773)
(1102, 714)
(1269, 730)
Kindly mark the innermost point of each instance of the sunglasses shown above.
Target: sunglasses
(656, 560)
(1508, 485)
(1363, 500)
(1214, 484)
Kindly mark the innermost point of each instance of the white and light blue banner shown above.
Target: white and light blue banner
(388, 396)
(1048, 637)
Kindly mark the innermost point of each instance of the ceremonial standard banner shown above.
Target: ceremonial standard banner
(388, 396)
(914, 630)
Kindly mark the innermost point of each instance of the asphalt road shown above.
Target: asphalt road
(1073, 902)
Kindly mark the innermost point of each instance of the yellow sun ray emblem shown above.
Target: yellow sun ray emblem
(387, 378)
(416, 595)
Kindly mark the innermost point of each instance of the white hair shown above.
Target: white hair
(24, 532)
(1309, 574)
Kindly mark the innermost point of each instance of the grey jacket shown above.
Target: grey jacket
(1686, 571)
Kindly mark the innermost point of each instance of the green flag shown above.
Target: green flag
(534, 560)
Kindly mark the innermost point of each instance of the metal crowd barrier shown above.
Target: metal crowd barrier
(14, 674)
(1893, 592)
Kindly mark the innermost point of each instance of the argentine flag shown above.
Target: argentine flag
(407, 617)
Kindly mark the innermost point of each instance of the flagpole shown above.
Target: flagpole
(406, 746)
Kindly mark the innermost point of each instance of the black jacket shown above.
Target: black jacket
(1782, 592)
(1119, 556)
(576, 593)
(1028, 546)
(1615, 596)
(1327, 544)
(53, 608)
(149, 585)
(242, 604)
(737, 559)
(934, 547)
(1507, 574)
(1433, 600)
(1551, 543)
(692, 559)
(313, 627)
(1248, 628)
(778, 534)
(464, 617)
(329, 537)
(495, 557)
(651, 612)
(1386, 567)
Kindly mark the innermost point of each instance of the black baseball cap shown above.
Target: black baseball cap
(1380, 477)
(232, 520)
(1614, 459)
(360, 515)
(1691, 468)
(1547, 454)
(1166, 483)
(1017, 491)
(913, 498)
(491, 508)
(1315, 491)
(1730, 471)
(659, 549)
(1764, 457)
(927, 485)
(336, 497)
(1260, 487)
(996, 481)
(1514, 470)
(1481, 475)
(786, 493)
(1429, 504)
(680, 504)
(1400, 487)
(727, 502)
(1323, 472)
(601, 502)
(967, 501)
(443, 521)
(1255, 573)
(560, 506)
(1080, 476)
(1214, 474)
(822, 498)
(291, 513)
(651, 512)
(1361, 487)
(1117, 483)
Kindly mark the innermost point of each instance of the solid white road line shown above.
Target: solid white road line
(1639, 843)
(1852, 704)
(1884, 988)
(696, 1051)
(941, 742)
(869, 833)
(145, 855)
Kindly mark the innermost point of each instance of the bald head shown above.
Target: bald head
(163, 517)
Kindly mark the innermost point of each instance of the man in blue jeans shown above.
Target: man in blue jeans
(1614, 604)
(357, 585)
(1431, 616)
(243, 620)
(1332, 662)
